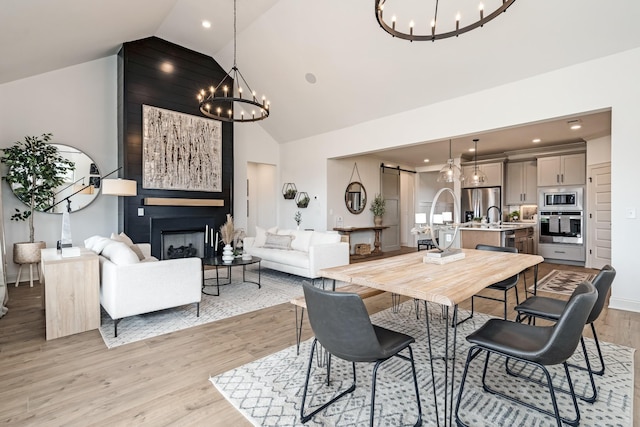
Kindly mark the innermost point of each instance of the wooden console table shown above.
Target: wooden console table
(346, 231)
(71, 293)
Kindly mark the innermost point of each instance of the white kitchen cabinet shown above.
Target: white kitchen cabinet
(521, 183)
(562, 170)
(493, 171)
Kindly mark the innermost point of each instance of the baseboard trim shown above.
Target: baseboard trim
(624, 304)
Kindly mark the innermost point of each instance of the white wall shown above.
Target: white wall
(599, 150)
(78, 105)
(609, 82)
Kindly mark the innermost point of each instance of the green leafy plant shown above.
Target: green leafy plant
(303, 202)
(378, 205)
(35, 169)
(298, 217)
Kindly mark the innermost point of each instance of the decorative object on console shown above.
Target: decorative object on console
(478, 177)
(230, 105)
(180, 151)
(444, 228)
(450, 172)
(289, 190)
(302, 199)
(378, 207)
(439, 29)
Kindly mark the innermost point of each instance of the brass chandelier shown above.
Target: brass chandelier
(439, 28)
(228, 101)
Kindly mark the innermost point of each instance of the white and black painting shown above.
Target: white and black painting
(180, 151)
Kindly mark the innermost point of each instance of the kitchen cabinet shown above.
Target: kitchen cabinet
(493, 171)
(521, 183)
(562, 170)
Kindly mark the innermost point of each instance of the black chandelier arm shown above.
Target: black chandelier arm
(434, 35)
(212, 112)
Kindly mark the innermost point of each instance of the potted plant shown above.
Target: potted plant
(378, 208)
(477, 220)
(302, 199)
(35, 170)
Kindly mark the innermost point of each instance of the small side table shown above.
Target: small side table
(217, 262)
(71, 292)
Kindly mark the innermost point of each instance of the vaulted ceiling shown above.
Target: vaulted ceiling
(361, 72)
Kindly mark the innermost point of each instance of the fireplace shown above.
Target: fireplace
(181, 237)
(182, 244)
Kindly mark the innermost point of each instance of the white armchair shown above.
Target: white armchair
(129, 289)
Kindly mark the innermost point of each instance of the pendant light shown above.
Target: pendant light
(450, 172)
(477, 178)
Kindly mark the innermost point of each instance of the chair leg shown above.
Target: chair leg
(601, 370)
(18, 278)
(472, 354)
(304, 418)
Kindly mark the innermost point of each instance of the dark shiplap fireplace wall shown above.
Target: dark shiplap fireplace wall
(161, 74)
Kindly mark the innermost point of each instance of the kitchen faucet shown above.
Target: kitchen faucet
(499, 213)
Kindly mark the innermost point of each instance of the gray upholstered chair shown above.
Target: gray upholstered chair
(540, 346)
(504, 285)
(342, 326)
(551, 309)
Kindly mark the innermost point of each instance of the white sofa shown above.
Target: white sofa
(130, 286)
(308, 252)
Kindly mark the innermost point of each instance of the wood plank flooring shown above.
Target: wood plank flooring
(77, 381)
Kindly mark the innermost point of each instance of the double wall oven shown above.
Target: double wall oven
(561, 223)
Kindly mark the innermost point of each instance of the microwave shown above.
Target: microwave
(560, 199)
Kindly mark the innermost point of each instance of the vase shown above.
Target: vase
(377, 221)
(227, 254)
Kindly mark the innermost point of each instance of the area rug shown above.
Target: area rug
(235, 299)
(562, 281)
(268, 392)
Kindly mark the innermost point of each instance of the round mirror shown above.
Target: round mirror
(355, 197)
(81, 184)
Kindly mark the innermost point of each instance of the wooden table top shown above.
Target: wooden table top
(446, 284)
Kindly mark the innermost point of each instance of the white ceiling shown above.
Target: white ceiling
(362, 72)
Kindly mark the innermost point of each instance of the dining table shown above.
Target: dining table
(447, 282)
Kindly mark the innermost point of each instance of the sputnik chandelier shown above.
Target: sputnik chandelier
(439, 27)
(228, 101)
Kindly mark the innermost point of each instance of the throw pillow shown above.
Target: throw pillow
(277, 241)
(120, 253)
(127, 241)
(261, 235)
(302, 240)
(97, 243)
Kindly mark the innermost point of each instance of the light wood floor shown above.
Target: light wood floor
(76, 380)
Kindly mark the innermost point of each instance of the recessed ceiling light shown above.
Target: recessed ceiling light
(535, 141)
(310, 77)
(574, 124)
(426, 160)
(167, 67)
(206, 24)
(472, 150)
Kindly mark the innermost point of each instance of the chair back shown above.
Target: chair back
(602, 283)
(568, 329)
(506, 282)
(341, 324)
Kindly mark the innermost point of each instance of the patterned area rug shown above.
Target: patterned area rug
(268, 391)
(562, 281)
(236, 298)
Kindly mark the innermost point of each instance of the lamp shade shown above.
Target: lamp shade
(119, 187)
(421, 218)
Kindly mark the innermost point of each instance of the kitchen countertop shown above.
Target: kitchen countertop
(503, 227)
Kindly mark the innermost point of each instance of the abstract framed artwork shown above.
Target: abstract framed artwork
(180, 151)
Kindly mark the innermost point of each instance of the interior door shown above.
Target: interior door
(390, 190)
(599, 215)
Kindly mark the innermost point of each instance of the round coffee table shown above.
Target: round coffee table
(217, 263)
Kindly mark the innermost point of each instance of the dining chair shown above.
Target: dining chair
(343, 328)
(504, 285)
(551, 309)
(539, 346)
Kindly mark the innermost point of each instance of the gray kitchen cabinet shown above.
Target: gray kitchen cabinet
(492, 170)
(569, 169)
(521, 183)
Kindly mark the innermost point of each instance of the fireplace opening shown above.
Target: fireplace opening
(182, 244)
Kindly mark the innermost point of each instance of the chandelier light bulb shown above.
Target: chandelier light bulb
(218, 110)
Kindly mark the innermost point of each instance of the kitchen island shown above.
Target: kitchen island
(519, 235)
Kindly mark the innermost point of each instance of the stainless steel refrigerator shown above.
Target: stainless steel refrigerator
(475, 202)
